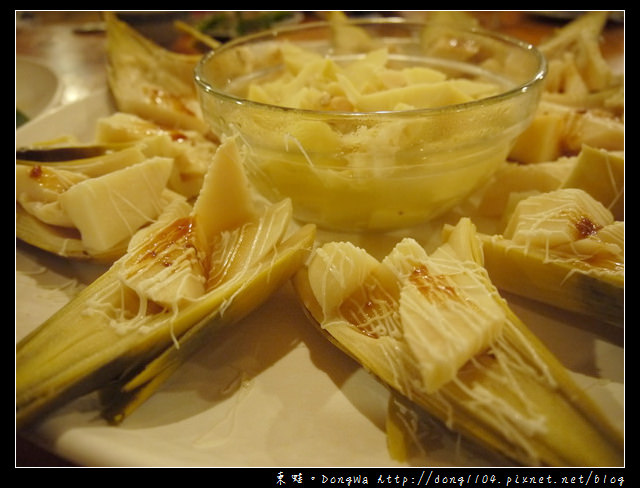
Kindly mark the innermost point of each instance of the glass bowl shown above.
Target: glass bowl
(313, 124)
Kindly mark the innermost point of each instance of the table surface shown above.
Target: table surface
(73, 44)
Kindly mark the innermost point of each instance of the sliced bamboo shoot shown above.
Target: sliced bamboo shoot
(489, 378)
(563, 248)
(116, 325)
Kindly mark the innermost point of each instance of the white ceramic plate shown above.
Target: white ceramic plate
(270, 392)
(38, 87)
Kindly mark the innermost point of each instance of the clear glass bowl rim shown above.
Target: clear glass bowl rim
(536, 79)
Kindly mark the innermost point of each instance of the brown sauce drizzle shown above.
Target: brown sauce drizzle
(172, 239)
(366, 306)
(585, 227)
(435, 288)
(36, 172)
(370, 302)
